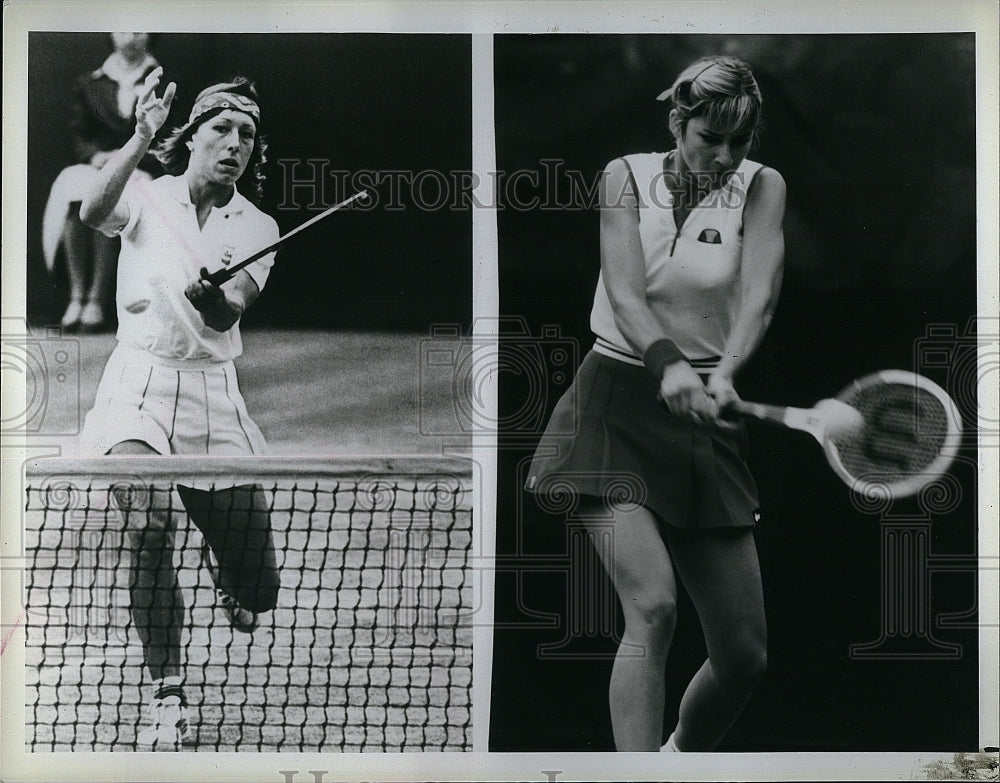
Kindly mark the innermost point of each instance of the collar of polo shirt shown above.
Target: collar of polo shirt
(236, 205)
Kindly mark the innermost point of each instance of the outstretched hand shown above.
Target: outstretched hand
(151, 112)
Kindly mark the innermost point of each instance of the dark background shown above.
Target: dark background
(361, 103)
(874, 135)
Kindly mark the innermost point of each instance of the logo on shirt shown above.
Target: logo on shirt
(227, 254)
(710, 237)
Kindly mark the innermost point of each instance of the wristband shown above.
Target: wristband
(142, 136)
(660, 355)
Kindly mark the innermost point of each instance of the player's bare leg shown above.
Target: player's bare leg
(641, 570)
(157, 604)
(77, 247)
(101, 291)
(236, 525)
(721, 572)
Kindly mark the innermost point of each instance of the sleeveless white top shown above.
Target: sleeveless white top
(692, 275)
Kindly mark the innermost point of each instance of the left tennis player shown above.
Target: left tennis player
(170, 385)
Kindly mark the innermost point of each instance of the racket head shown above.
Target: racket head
(912, 432)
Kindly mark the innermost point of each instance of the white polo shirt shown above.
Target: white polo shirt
(163, 251)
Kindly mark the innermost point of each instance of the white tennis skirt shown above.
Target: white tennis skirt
(176, 407)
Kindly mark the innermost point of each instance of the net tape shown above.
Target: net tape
(368, 648)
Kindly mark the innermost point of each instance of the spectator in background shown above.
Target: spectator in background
(102, 119)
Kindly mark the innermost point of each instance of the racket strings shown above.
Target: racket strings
(905, 429)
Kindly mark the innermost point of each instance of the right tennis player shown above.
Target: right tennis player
(691, 264)
(170, 386)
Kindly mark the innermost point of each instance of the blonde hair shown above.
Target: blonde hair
(721, 89)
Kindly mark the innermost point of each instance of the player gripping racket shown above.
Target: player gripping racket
(170, 385)
(691, 263)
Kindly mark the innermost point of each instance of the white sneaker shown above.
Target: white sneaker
(92, 317)
(168, 726)
(71, 318)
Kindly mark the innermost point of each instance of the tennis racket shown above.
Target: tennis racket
(229, 272)
(892, 432)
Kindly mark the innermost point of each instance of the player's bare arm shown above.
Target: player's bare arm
(221, 308)
(760, 283)
(622, 265)
(624, 272)
(103, 208)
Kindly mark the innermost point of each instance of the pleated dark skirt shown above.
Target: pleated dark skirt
(609, 437)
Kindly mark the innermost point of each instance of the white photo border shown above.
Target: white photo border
(482, 20)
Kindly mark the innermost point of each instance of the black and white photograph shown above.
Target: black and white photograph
(547, 391)
(256, 535)
(678, 567)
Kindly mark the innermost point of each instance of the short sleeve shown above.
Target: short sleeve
(132, 199)
(266, 233)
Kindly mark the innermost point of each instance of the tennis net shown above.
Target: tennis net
(369, 647)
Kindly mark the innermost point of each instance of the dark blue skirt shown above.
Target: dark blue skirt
(609, 437)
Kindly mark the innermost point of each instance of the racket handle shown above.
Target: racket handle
(740, 409)
(218, 277)
(228, 273)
